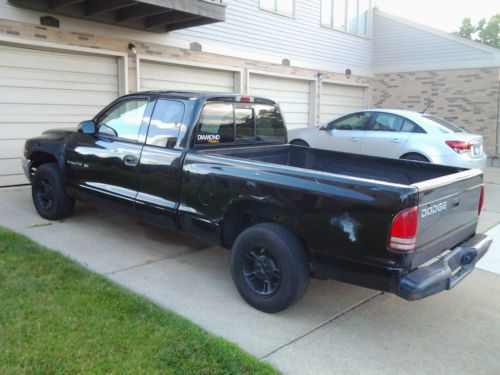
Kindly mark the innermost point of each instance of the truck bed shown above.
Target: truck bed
(381, 169)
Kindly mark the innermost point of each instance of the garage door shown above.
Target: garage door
(161, 76)
(293, 96)
(338, 100)
(40, 90)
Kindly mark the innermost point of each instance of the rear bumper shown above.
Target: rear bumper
(462, 161)
(444, 273)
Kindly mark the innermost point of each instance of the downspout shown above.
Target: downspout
(497, 144)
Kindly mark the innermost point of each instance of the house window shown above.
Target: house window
(346, 15)
(285, 7)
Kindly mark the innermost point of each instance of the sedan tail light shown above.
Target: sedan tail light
(460, 147)
(403, 233)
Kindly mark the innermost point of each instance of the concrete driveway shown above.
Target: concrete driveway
(336, 328)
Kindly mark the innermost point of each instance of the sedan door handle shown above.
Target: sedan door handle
(130, 160)
(355, 139)
(395, 140)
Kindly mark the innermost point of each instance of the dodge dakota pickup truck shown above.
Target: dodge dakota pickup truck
(219, 167)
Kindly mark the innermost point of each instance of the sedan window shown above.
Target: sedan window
(357, 121)
(387, 122)
(452, 128)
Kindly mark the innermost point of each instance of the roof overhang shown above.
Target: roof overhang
(147, 15)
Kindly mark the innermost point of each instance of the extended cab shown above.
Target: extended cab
(219, 167)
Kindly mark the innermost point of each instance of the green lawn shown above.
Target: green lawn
(56, 317)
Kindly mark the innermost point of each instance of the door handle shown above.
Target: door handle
(130, 160)
(395, 140)
(355, 139)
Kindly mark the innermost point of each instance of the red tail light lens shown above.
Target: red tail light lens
(244, 99)
(481, 201)
(459, 147)
(403, 234)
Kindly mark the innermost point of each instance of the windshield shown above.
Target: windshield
(448, 126)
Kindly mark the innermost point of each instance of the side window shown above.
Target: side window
(124, 119)
(165, 123)
(387, 122)
(408, 127)
(216, 124)
(269, 123)
(243, 120)
(357, 121)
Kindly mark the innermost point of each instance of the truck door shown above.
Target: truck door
(160, 165)
(103, 166)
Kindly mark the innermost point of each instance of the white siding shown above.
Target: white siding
(301, 39)
(399, 45)
(248, 32)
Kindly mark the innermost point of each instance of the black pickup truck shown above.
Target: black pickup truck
(219, 167)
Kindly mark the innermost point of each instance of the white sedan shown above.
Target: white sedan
(396, 134)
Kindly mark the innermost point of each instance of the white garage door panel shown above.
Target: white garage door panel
(11, 166)
(11, 148)
(161, 76)
(53, 96)
(17, 179)
(30, 130)
(293, 96)
(41, 90)
(56, 61)
(338, 100)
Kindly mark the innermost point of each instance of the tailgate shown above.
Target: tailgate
(448, 213)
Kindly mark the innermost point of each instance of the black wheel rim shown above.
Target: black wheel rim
(262, 272)
(45, 193)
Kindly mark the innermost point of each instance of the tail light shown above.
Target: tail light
(244, 99)
(25, 153)
(481, 201)
(403, 233)
(460, 147)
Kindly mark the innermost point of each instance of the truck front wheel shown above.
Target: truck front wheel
(49, 197)
(269, 267)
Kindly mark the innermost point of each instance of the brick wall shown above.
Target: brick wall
(467, 97)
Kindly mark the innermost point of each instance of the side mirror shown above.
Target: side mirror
(325, 127)
(87, 127)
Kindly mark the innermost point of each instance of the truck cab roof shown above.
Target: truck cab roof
(206, 96)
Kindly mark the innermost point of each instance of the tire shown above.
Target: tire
(415, 157)
(299, 142)
(269, 267)
(49, 197)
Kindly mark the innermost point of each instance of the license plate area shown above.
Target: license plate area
(476, 150)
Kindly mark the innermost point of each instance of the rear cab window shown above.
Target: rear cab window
(236, 123)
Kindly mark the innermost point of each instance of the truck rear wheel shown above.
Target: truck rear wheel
(49, 197)
(269, 267)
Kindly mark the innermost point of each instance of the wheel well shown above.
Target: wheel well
(39, 158)
(300, 141)
(404, 156)
(242, 215)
